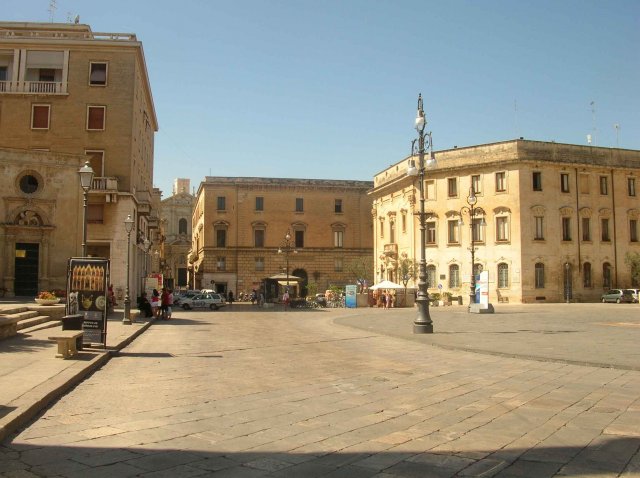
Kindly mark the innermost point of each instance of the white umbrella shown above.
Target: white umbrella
(386, 284)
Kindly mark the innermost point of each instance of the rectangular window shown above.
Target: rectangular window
(95, 213)
(604, 185)
(382, 228)
(431, 232)
(221, 263)
(97, 74)
(221, 238)
(392, 230)
(338, 264)
(337, 206)
(96, 118)
(501, 182)
(96, 160)
(258, 236)
(584, 183)
(566, 228)
(631, 186)
(604, 226)
(476, 230)
(430, 189)
(537, 181)
(633, 230)
(586, 229)
(221, 203)
(299, 238)
(539, 234)
(40, 115)
(404, 222)
(564, 182)
(338, 238)
(452, 187)
(539, 270)
(453, 232)
(299, 205)
(502, 229)
(259, 263)
(259, 203)
(475, 184)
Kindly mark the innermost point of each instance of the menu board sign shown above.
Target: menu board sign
(87, 295)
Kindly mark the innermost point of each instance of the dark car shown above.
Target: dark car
(618, 296)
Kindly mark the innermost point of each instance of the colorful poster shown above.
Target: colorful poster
(87, 295)
(350, 301)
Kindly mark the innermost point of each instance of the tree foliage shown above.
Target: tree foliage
(361, 270)
(632, 259)
(407, 270)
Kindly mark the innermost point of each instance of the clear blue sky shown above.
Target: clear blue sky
(328, 89)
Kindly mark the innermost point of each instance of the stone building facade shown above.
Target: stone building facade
(175, 234)
(560, 219)
(240, 223)
(67, 89)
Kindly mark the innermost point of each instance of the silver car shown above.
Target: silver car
(207, 301)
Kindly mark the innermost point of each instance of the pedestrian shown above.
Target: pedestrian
(230, 298)
(144, 306)
(169, 304)
(164, 303)
(155, 303)
(285, 299)
(261, 298)
(254, 296)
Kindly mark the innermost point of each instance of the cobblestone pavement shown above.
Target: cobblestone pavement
(250, 394)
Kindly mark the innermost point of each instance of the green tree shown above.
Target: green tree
(407, 270)
(632, 259)
(361, 270)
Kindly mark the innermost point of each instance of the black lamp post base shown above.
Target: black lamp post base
(422, 328)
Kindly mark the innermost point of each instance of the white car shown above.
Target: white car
(211, 301)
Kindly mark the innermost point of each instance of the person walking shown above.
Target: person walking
(286, 299)
(155, 303)
(169, 303)
(164, 303)
(230, 298)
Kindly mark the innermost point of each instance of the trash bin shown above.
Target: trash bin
(73, 322)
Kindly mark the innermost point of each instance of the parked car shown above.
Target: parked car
(618, 296)
(635, 293)
(211, 301)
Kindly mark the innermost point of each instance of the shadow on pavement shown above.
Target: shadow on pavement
(610, 456)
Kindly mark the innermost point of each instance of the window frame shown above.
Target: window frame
(429, 230)
(454, 276)
(33, 116)
(259, 263)
(631, 187)
(564, 183)
(476, 184)
(221, 203)
(221, 236)
(605, 236)
(259, 231)
(566, 228)
(337, 206)
(338, 238)
(603, 182)
(298, 237)
(106, 73)
(501, 181)
(259, 203)
(91, 108)
(504, 221)
(453, 232)
(452, 187)
(633, 230)
(539, 276)
(503, 275)
(538, 228)
(587, 276)
(299, 205)
(586, 229)
(536, 178)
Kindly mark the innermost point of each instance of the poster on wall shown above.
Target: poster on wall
(350, 300)
(87, 295)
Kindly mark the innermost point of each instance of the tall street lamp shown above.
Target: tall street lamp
(86, 177)
(128, 225)
(474, 228)
(146, 247)
(423, 323)
(287, 247)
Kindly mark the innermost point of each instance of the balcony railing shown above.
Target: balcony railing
(107, 185)
(391, 250)
(37, 87)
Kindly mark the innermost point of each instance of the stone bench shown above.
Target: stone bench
(67, 340)
(8, 326)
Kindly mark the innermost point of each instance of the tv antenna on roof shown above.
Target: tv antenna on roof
(593, 121)
(52, 9)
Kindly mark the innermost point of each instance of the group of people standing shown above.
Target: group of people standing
(383, 299)
(160, 304)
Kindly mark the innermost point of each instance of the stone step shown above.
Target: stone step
(33, 321)
(14, 310)
(45, 325)
(24, 315)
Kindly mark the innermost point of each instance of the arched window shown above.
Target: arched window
(606, 275)
(454, 276)
(431, 276)
(503, 276)
(586, 275)
(539, 268)
(182, 226)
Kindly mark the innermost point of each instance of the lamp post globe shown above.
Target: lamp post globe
(128, 226)
(86, 178)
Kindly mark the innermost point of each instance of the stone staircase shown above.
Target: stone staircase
(31, 318)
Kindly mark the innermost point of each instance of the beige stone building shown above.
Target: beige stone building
(67, 89)
(559, 220)
(240, 223)
(175, 234)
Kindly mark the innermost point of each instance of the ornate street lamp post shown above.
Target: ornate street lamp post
(474, 228)
(128, 225)
(423, 323)
(287, 247)
(86, 177)
(146, 247)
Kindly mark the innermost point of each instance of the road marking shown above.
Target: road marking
(620, 324)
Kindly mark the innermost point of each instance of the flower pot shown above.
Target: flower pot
(48, 301)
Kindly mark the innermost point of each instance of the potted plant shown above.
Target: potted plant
(434, 298)
(446, 298)
(47, 298)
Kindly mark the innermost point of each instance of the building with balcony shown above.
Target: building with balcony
(65, 89)
(175, 234)
(240, 224)
(555, 222)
